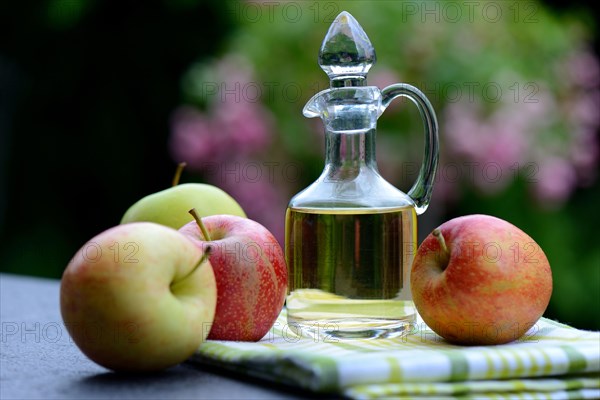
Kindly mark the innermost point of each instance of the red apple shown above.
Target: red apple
(250, 271)
(478, 279)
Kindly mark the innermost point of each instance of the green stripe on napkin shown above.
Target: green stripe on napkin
(532, 388)
(551, 361)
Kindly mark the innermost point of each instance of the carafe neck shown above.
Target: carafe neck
(347, 154)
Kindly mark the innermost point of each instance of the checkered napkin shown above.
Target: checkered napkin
(552, 361)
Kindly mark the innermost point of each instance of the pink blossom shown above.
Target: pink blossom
(583, 69)
(495, 144)
(506, 145)
(555, 181)
(247, 126)
(462, 130)
(192, 138)
(233, 126)
(583, 109)
(585, 154)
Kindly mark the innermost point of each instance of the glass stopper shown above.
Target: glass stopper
(346, 54)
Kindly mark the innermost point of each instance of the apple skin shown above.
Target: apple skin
(251, 275)
(494, 285)
(170, 207)
(136, 308)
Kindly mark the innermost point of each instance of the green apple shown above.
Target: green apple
(170, 207)
(139, 297)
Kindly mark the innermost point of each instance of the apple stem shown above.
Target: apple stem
(207, 251)
(178, 172)
(438, 235)
(200, 224)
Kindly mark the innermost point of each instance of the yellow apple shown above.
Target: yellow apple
(138, 297)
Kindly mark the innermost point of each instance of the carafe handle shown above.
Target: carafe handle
(421, 190)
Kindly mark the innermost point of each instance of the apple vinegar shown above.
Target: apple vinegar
(349, 270)
(351, 236)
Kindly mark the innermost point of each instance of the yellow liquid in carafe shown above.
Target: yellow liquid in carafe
(349, 271)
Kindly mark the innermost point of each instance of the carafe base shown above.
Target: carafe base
(352, 328)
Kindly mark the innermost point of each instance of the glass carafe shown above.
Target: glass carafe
(351, 236)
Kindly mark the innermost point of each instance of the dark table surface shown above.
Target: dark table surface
(38, 359)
